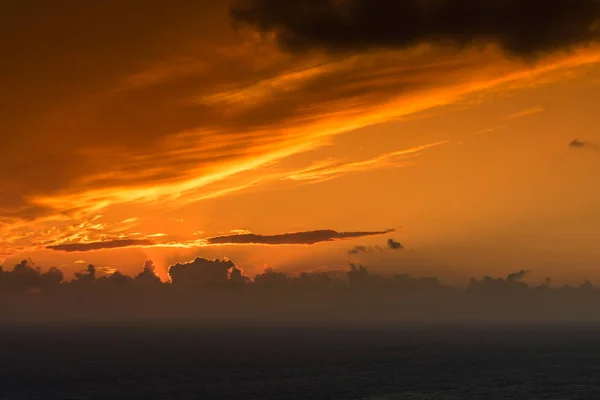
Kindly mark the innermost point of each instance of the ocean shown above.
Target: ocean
(299, 362)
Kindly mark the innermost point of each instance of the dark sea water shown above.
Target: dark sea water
(182, 362)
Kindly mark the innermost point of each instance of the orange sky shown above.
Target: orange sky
(172, 128)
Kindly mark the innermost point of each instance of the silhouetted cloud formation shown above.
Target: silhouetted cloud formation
(581, 144)
(392, 244)
(216, 290)
(310, 237)
(111, 244)
(364, 249)
(516, 276)
(520, 27)
(202, 271)
(576, 143)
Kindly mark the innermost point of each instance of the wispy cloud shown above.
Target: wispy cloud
(344, 96)
(525, 113)
(364, 249)
(331, 169)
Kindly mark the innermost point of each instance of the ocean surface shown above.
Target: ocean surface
(409, 362)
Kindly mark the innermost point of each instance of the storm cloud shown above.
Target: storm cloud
(308, 238)
(522, 28)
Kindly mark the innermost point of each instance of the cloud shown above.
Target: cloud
(581, 144)
(230, 105)
(525, 113)
(298, 238)
(364, 249)
(216, 290)
(393, 245)
(524, 28)
(109, 244)
(202, 271)
(332, 169)
(516, 276)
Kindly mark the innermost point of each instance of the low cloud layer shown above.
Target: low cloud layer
(523, 28)
(310, 237)
(218, 291)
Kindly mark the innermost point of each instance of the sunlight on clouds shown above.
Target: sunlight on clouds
(317, 103)
(302, 132)
(332, 168)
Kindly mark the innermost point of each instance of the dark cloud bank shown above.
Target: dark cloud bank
(207, 291)
(523, 28)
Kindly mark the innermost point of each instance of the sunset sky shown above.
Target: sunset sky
(468, 131)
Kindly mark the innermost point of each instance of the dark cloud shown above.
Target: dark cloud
(576, 143)
(364, 249)
(523, 28)
(111, 244)
(392, 244)
(310, 237)
(148, 273)
(202, 271)
(516, 276)
(582, 144)
(359, 249)
(216, 290)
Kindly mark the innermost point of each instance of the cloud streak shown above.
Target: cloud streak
(331, 169)
(109, 244)
(296, 238)
(525, 113)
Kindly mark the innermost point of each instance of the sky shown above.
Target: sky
(302, 135)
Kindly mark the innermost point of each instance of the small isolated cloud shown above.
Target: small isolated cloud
(582, 144)
(299, 238)
(393, 245)
(80, 262)
(364, 249)
(110, 244)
